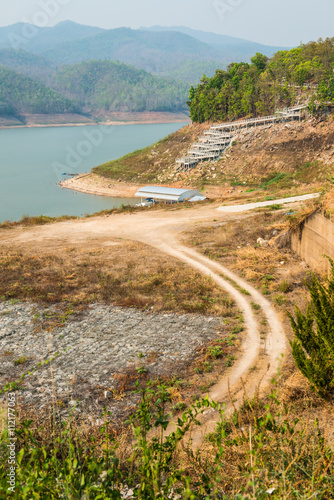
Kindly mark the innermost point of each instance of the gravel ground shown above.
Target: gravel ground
(93, 347)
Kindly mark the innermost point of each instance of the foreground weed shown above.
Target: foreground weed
(261, 449)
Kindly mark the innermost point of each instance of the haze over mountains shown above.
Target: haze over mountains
(172, 59)
(234, 49)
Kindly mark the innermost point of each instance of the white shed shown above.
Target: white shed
(171, 195)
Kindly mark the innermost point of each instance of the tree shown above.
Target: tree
(313, 345)
(260, 62)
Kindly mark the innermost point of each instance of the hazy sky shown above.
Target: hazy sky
(274, 22)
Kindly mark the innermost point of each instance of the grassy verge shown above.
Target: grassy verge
(40, 220)
(118, 276)
(2, 418)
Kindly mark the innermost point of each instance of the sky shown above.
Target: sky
(271, 22)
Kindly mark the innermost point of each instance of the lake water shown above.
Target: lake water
(32, 161)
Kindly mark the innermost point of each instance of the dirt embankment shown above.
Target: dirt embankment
(273, 158)
(279, 158)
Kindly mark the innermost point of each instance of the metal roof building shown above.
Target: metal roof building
(172, 195)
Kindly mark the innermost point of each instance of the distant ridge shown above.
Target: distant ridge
(175, 52)
(72, 68)
(43, 39)
(231, 46)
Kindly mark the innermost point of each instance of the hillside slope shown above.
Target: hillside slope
(22, 95)
(265, 85)
(114, 86)
(294, 157)
(28, 64)
(94, 87)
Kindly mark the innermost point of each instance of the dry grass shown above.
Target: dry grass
(235, 245)
(118, 274)
(280, 275)
(34, 221)
(328, 204)
(266, 443)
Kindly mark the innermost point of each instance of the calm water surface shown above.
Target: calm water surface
(32, 161)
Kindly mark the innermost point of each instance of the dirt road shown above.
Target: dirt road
(162, 229)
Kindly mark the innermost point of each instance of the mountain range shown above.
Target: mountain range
(158, 50)
(118, 69)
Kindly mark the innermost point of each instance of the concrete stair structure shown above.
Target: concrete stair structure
(220, 136)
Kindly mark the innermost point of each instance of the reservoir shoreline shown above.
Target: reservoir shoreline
(43, 121)
(90, 183)
(33, 160)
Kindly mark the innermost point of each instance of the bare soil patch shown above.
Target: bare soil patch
(96, 356)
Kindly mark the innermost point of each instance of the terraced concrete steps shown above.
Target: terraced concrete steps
(219, 137)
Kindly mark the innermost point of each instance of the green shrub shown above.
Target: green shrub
(280, 299)
(313, 345)
(261, 447)
(284, 286)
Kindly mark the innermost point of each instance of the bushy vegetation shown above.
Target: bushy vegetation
(313, 346)
(265, 84)
(114, 86)
(20, 94)
(261, 450)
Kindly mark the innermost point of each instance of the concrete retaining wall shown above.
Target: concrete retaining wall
(313, 240)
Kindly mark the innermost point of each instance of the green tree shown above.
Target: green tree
(260, 62)
(313, 345)
(265, 84)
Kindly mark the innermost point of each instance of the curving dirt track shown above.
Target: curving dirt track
(161, 230)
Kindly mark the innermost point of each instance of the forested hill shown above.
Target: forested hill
(33, 65)
(22, 95)
(114, 86)
(89, 87)
(266, 84)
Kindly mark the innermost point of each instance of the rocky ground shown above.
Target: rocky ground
(101, 351)
(260, 152)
